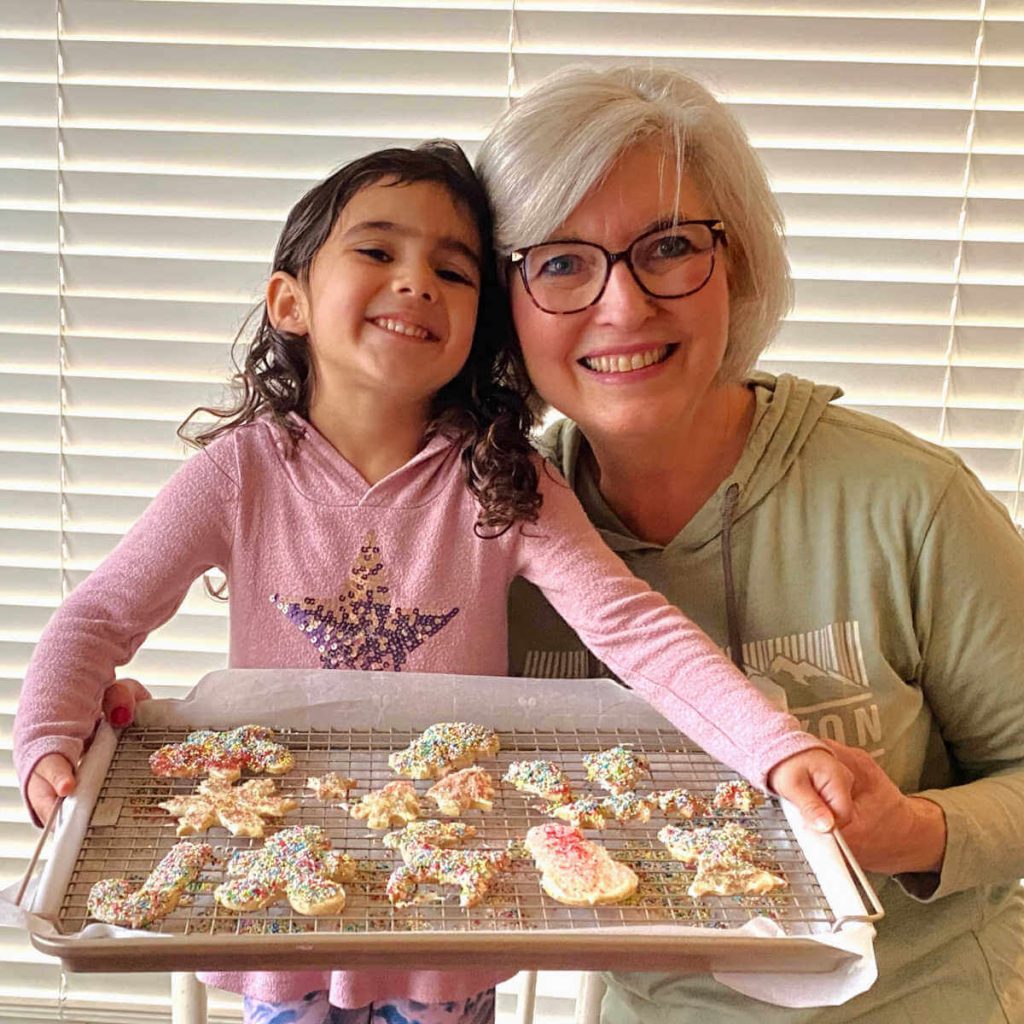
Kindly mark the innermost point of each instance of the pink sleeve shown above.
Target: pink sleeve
(649, 643)
(185, 531)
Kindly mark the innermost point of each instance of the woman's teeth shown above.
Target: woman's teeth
(625, 364)
(401, 328)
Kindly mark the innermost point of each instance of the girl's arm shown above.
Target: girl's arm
(186, 530)
(651, 645)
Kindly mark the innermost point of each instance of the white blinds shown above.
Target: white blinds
(150, 148)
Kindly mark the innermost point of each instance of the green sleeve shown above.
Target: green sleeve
(968, 591)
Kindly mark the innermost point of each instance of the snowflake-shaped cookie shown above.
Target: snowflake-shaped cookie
(240, 809)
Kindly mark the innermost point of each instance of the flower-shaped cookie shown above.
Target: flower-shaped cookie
(119, 901)
(296, 864)
(240, 809)
(223, 755)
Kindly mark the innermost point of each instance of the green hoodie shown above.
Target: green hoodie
(882, 588)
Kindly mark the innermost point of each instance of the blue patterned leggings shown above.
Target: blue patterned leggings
(314, 1008)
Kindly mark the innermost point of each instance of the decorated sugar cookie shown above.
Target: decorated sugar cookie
(122, 902)
(617, 769)
(442, 748)
(583, 812)
(736, 795)
(296, 864)
(681, 803)
(465, 790)
(393, 804)
(240, 809)
(687, 844)
(540, 778)
(575, 870)
(223, 755)
(331, 786)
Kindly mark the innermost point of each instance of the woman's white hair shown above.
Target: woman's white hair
(561, 138)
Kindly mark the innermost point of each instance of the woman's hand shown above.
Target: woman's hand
(54, 776)
(889, 832)
(819, 785)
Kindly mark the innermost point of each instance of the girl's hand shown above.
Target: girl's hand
(52, 777)
(819, 785)
(889, 832)
(120, 699)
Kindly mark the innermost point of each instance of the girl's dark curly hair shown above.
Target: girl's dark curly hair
(484, 408)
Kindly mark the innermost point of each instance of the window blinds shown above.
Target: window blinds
(149, 150)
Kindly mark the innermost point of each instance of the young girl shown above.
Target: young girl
(369, 499)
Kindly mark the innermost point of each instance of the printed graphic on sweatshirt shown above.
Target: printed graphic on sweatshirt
(360, 629)
(826, 683)
(830, 657)
(822, 673)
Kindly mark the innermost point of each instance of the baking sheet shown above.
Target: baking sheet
(518, 926)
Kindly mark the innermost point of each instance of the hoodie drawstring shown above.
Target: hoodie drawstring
(732, 619)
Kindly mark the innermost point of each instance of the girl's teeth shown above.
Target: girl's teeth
(625, 364)
(399, 328)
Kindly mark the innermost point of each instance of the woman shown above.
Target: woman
(864, 571)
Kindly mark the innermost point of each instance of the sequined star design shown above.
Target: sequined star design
(360, 629)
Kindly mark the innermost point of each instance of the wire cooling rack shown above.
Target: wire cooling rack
(129, 834)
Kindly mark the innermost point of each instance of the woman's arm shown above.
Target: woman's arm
(968, 597)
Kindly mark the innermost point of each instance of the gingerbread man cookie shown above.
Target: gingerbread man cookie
(331, 786)
(465, 790)
(393, 804)
(540, 778)
(736, 795)
(616, 769)
(223, 755)
(442, 748)
(240, 809)
(575, 870)
(296, 864)
(119, 901)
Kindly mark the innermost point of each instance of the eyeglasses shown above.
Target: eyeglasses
(667, 263)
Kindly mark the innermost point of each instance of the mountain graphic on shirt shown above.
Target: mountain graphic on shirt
(829, 659)
(360, 629)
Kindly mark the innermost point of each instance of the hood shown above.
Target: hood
(788, 408)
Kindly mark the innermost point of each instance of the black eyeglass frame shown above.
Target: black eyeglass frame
(517, 257)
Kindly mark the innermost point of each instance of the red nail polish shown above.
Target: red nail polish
(120, 716)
